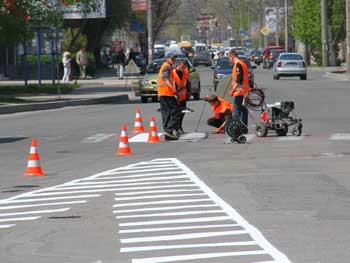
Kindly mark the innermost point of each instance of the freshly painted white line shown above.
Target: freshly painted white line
(98, 137)
(149, 166)
(164, 202)
(164, 208)
(173, 214)
(74, 192)
(224, 244)
(340, 136)
(140, 170)
(47, 199)
(125, 188)
(7, 226)
(182, 236)
(290, 138)
(35, 212)
(153, 196)
(160, 191)
(20, 218)
(177, 221)
(198, 256)
(44, 204)
(144, 176)
(234, 215)
(175, 179)
(159, 229)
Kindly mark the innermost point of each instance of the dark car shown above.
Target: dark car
(257, 57)
(202, 58)
(148, 87)
(266, 54)
(224, 68)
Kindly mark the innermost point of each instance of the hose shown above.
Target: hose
(255, 99)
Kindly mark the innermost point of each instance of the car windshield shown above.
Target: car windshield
(154, 66)
(291, 57)
(224, 63)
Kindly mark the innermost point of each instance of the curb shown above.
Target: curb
(8, 109)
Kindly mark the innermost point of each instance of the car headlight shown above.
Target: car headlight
(145, 82)
(219, 76)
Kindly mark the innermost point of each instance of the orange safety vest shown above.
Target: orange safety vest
(163, 88)
(244, 87)
(181, 85)
(223, 107)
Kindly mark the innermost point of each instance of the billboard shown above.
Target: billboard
(73, 10)
(138, 5)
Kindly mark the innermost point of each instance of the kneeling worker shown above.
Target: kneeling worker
(222, 110)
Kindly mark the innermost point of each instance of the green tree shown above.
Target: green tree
(306, 25)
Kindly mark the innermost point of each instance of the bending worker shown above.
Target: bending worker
(240, 87)
(222, 110)
(182, 89)
(169, 107)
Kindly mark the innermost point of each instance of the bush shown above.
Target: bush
(36, 89)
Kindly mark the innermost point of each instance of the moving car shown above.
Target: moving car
(289, 65)
(274, 53)
(148, 87)
(224, 68)
(202, 58)
(266, 53)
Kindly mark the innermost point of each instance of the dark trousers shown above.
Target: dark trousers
(239, 110)
(183, 106)
(171, 113)
(215, 122)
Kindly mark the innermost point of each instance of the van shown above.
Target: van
(266, 53)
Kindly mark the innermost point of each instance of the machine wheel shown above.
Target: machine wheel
(261, 130)
(242, 139)
(297, 130)
(283, 131)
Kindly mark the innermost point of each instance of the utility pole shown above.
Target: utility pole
(324, 33)
(286, 25)
(149, 30)
(347, 6)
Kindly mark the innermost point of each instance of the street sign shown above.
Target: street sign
(264, 30)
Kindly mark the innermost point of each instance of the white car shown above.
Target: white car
(290, 64)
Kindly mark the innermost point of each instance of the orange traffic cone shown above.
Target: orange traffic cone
(138, 127)
(153, 134)
(124, 148)
(33, 167)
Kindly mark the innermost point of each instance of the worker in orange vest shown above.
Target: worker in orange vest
(182, 90)
(169, 107)
(240, 87)
(222, 110)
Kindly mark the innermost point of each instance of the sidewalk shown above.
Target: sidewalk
(103, 89)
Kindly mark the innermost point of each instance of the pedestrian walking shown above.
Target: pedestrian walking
(240, 87)
(67, 67)
(82, 61)
(120, 62)
(169, 107)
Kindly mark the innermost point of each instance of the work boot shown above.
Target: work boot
(168, 135)
(180, 131)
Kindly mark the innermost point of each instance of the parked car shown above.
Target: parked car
(202, 58)
(148, 87)
(266, 54)
(290, 65)
(224, 68)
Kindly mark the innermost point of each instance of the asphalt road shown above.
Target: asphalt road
(273, 199)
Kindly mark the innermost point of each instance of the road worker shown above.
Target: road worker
(222, 110)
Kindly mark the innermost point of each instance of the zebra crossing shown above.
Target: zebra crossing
(97, 138)
(163, 213)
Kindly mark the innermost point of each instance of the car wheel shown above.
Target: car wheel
(303, 77)
(155, 99)
(144, 99)
(277, 76)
